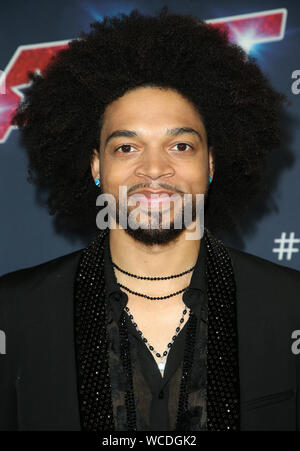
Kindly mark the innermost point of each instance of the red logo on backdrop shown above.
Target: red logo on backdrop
(246, 30)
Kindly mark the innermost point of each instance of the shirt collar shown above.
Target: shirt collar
(194, 297)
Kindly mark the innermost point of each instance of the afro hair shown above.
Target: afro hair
(60, 118)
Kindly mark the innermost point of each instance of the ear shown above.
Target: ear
(95, 164)
(211, 162)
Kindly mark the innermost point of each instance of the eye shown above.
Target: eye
(183, 145)
(126, 146)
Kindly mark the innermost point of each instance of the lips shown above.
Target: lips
(149, 193)
(147, 197)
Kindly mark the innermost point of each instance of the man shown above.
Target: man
(146, 328)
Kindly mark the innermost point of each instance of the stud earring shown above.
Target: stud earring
(210, 179)
(97, 182)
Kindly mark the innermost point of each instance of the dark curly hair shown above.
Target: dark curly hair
(61, 115)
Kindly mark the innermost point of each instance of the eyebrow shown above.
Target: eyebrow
(171, 131)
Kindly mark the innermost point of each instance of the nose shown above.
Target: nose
(154, 164)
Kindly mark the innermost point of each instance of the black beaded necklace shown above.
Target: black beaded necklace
(91, 346)
(163, 356)
(153, 278)
(152, 298)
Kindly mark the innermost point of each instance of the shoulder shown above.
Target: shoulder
(245, 264)
(42, 279)
(260, 282)
(40, 271)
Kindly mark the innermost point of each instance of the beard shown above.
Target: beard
(157, 234)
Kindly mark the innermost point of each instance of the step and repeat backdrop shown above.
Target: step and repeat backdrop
(32, 31)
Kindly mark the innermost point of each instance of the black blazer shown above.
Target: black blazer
(38, 380)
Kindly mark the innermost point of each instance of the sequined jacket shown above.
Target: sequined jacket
(38, 379)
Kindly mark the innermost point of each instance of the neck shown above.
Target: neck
(153, 260)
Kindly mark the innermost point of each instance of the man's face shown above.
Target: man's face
(153, 156)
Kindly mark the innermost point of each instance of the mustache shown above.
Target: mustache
(155, 185)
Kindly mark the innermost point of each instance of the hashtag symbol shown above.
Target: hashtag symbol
(286, 245)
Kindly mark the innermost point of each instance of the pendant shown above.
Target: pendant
(161, 365)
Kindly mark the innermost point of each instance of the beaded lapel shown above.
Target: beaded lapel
(91, 345)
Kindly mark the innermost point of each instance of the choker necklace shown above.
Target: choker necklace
(152, 298)
(162, 364)
(153, 278)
